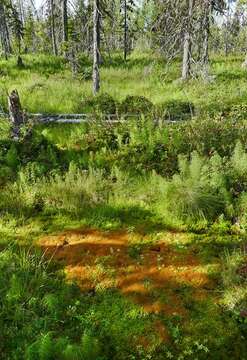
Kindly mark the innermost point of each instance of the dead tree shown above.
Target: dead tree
(16, 114)
(53, 31)
(65, 26)
(96, 46)
(125, 31)
(4, 32)
(186, 69)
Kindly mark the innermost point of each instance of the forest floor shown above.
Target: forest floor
(167, 274)
(152, 284)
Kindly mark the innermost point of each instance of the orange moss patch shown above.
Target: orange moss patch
(101, 260)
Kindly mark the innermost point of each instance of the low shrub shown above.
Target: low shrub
(135, 105)
(100, 104)
(210, 135)
(176, 110)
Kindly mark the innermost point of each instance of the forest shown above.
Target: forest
(123, 179)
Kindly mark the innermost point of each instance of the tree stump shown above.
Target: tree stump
(20, 63)
(16, 114)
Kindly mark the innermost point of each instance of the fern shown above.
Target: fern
(72, 352)
(46, 348)
(193, 194)
(239, 160)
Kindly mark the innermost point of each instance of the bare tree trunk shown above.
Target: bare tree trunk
(206, 30)
(125, 31)
(96, 45)
(21, 11)
(65, 24)
(4, 32)
(16, 114)
(186, 69)
(53, 32)
(227, 30)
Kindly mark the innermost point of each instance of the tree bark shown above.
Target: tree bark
(53, 31)
(206, 30)
(65, 24)
(4, 32)
(186, 69)
(96, 46)
(16, 114)
(125, 31)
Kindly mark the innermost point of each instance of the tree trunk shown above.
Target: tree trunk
(53, 31)
(186, 69)
(15, 114)
(125, 31)
(206, 30)
(96, 46)
(65, 24)
(4, 32)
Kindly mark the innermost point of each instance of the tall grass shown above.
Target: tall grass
(46, 84)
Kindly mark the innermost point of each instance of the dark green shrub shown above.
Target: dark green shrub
(100, 104)
(135, 105)
(176, 110)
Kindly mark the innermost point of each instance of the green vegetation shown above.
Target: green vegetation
(124, 241)
(45, 83)
(124, 236)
